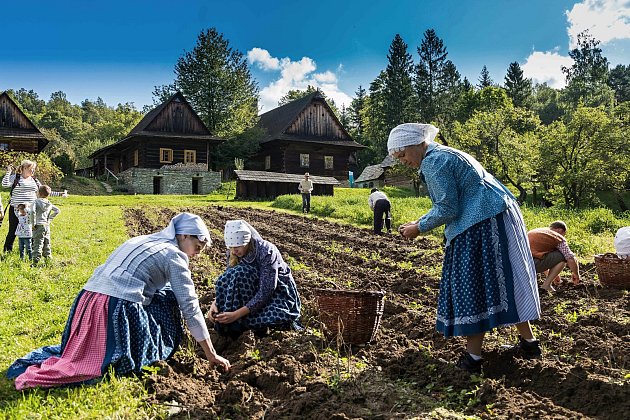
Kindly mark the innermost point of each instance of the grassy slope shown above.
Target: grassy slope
(36, 300)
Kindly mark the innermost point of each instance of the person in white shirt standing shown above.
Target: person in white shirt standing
(24, 188)
(306, 188)
(382, 208)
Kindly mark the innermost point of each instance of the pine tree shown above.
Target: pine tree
(398, 87)
(484, 78)
(356, 114)
(218, 84)
(518, 88)
(429, 74)
(619, 81)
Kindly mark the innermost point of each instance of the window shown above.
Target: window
(166, 155)
(190, 156)
(304, 160)
(135, 157)
(4, 147)
(267, 162)
(328, 162)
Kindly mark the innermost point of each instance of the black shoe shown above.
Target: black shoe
(527, 349)
(470, 365)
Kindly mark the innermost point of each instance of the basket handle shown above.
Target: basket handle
(331, 283)
(610, 255)
(371, 285)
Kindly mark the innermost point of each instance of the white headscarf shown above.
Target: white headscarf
(185, 224)
(409, 134)
(239, 233)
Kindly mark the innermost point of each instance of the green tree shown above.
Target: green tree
(399, 98)
(484, 78)
(587, 78)
(578, 157)
(429, 75)
(356, 111)
(376, 126)
(217, 82)
(619, 81)
(546, 103)
(518, 88)
(242, 146)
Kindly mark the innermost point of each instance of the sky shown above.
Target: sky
(120, 50)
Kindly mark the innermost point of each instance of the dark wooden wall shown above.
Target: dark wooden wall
(270, 190)
(317, 121)
(177, 117)
(12, 117)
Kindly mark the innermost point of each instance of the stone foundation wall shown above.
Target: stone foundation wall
(142, 181)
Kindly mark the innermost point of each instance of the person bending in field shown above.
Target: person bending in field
(257, 291)
(129, 314)
(551, 254)
(488, 277)
(380, 205)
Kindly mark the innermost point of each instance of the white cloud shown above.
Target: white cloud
(263, 59)
(546, 67)
(606, 20)
(295, 75)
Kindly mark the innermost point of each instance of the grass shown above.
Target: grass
(36, 300)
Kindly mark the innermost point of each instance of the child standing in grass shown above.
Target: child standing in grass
(24, 230)
(43, 212)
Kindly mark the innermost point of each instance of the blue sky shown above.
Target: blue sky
(119, 50)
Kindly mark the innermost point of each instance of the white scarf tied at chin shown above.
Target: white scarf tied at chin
(239, 233)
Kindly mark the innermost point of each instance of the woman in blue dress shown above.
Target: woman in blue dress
(488, 276)
(257, 290)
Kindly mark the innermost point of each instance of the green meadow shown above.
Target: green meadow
(34, 302)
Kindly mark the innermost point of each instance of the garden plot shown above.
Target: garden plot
(409, 371)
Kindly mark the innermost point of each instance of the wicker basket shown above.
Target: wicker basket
(352, 314)
(613, 271)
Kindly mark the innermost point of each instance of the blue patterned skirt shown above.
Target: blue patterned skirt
(104, 331)
(239, 284)
(488, 278)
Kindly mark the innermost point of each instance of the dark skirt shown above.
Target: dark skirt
(104, 331)
(239, 284)
(488, 278)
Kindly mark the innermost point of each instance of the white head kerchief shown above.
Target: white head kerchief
(185, 224)
(239, 233)
(409, 134)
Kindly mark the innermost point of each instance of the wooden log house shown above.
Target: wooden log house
(17, 131)
(167, 152)
(305, 136)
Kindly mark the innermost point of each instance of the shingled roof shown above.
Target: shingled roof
(279, 119)
(264, 176)
(14, 124)
(141, 129)
(373, 172)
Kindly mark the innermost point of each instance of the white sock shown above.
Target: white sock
(475, 357)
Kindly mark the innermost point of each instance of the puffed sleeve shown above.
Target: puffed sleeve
(444, 195)
(181, 282)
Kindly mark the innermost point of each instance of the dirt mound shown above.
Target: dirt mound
(409, 371)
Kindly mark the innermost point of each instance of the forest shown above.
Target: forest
(550, 146)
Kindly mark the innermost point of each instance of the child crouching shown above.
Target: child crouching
(43, 212)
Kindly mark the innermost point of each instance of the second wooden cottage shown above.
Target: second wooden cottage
(168, 152)
(302, 136)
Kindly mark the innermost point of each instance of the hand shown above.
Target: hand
(409, 230)
(576, 278)
(215, 359)
(213, 311)
(10, 168)
(227, 317)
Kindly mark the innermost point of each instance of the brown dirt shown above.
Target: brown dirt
(409, 371)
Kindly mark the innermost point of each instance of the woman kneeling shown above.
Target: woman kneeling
(257, 290)
(129, 314)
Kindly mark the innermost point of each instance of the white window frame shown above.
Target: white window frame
(329, 162)
(305, 160)
(267, 162)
